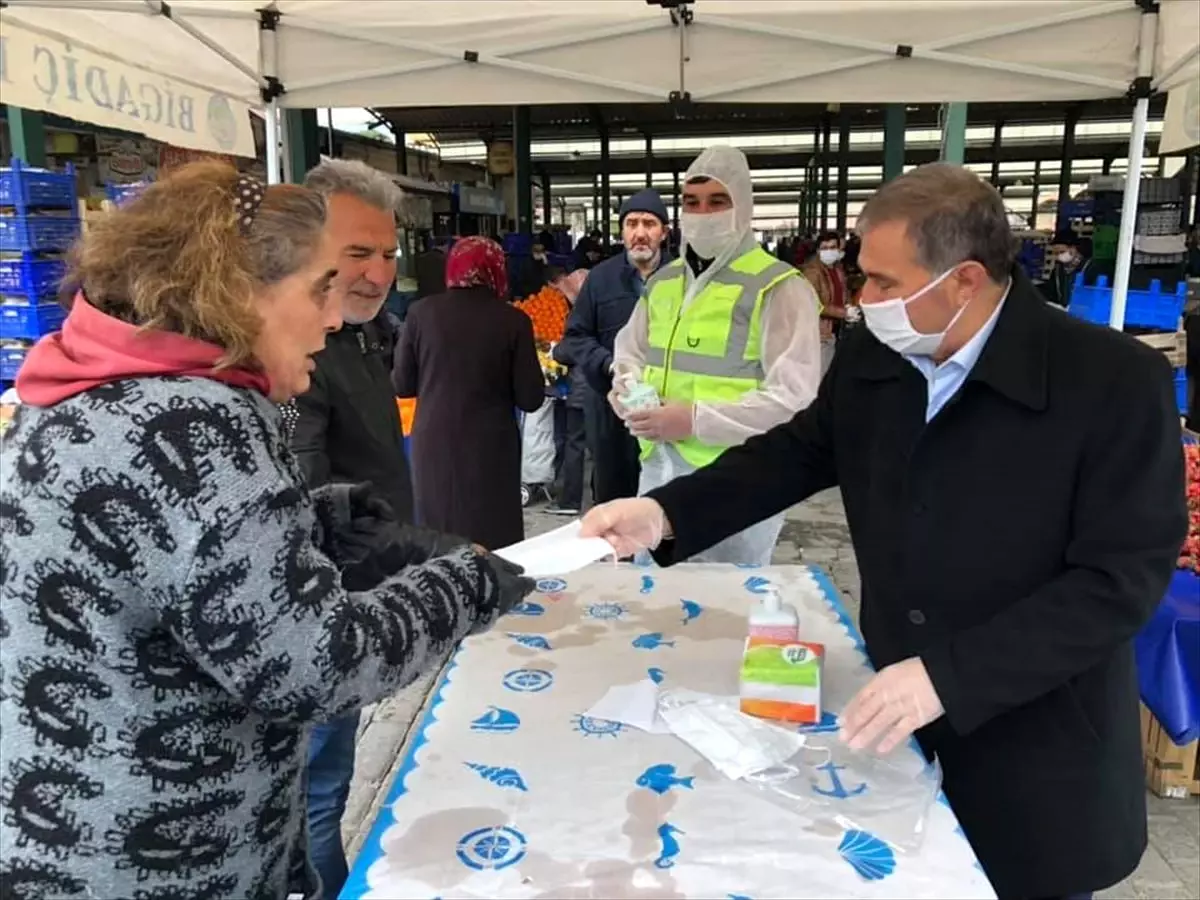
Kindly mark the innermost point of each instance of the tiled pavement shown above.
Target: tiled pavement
(815, 533)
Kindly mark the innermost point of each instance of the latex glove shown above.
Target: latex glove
(891, 707)
(629, 525)
(614, 401)
(669, 422)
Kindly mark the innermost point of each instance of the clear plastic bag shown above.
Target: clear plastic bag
(814, 776)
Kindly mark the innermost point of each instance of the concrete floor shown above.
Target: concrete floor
(815, 533)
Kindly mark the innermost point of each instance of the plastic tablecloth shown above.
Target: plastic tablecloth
(509, 789)
(1168, 660)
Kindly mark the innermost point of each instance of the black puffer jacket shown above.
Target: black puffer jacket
(347, 427)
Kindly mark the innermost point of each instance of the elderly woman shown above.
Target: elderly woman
(471, 361)
(173, 606)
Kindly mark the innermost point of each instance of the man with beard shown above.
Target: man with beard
(602, 308)
(347, 429)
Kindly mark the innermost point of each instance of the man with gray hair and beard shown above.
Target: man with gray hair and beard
(347, 429)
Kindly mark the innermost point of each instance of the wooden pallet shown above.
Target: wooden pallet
(1173, 344)
(1171, 771)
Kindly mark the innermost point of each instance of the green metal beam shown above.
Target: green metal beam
(954, 133)
(27, 132)
(523, 169)
(304, 141)
(893, 140)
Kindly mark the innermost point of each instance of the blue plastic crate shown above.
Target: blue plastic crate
(30, 322)
(31, 276)
(1181, 390)
(39, 234)
(11, 358)
(121, 194)
(26, 187)
(1145, 309)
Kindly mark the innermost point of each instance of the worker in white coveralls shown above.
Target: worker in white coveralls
(727, 335)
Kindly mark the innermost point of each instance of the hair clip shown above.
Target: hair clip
(248, 196)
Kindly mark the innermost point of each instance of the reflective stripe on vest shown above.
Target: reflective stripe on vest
(724, 319)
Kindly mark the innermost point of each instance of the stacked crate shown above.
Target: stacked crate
(39, 220)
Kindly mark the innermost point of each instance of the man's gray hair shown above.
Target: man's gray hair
(952, 216)
(350, 176)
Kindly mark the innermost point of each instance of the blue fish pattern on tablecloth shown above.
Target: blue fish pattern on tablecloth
(499, 776)
(651, 641)
(870, 857)
(661, 778)
(528, 608)
(756, 584)
(670, 846)
(532, 641)
(497, 720)
(656, 674)
(691, 610)
(647, 584)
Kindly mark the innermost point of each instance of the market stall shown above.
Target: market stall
(511, 788)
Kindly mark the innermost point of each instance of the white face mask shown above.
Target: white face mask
(708, 233)
(1065, 257)
(829, 257)
(889, 321)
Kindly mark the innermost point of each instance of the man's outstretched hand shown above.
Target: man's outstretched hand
(629, 525)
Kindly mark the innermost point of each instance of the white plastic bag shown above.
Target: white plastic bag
(537, 445)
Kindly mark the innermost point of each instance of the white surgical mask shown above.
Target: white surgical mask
(829, 257)
(889, 321)
(708, 233)
(1065, 257)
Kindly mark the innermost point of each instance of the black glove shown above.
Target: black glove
(365, 503)
(512, 585)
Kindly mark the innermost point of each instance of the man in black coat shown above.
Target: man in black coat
(602, 308)
(1013, 483)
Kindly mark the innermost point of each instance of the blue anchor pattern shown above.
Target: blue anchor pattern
(647, 584)
(532, 641)
(670, 846)
(651, 641)
(691, 610)
(501, 777)
(497, 720)
(662, 778)
(837, 790)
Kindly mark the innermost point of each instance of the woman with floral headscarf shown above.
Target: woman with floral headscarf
(470, 359)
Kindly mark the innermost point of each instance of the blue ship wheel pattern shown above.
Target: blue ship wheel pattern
(601, 728)
(551, 585)
(606, 612)
(528, 681)
(491, 848)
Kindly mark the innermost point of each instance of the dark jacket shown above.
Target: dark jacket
(348, 426)
(1057, 289)
(1016, 544)
(470, 360)
(604, 305)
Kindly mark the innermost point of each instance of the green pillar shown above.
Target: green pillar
(523, 169)
(894, 123)
(954, 133)
(27, 132)
(304, 141)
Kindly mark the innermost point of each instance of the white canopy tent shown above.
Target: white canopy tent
(235, 54)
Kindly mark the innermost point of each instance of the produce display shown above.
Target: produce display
(1189, 556)
(551, 369)
(547, 309)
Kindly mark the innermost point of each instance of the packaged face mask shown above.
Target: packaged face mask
(737, 744)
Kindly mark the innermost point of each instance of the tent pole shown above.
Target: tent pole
(273, 173)
(1129, 204)
(1141, 90)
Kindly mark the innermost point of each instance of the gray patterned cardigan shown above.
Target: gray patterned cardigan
(168, 630)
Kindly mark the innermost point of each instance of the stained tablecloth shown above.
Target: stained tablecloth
(509, 790)
(1168, 660)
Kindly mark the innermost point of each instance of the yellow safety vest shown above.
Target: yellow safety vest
(710, 351)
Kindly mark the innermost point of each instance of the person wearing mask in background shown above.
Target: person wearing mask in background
(824, 272)
(570, 416)
(727, 336)
(590, 250)
(603, 306)
(1015, 493)
(470, 360)
(1069, 261)
(346, 429)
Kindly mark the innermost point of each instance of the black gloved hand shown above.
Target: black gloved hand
(365, 503)
(513, 586)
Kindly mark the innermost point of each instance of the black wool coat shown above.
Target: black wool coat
(1016, 544)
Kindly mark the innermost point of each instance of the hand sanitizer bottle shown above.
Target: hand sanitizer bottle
(773, 619)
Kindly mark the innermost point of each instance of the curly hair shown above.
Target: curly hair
(175, 260)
